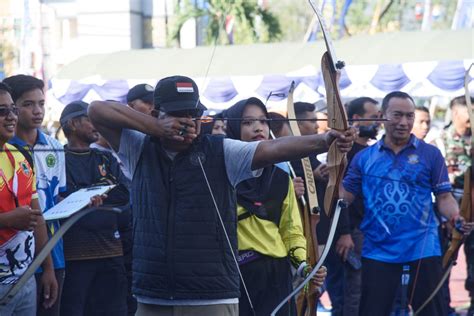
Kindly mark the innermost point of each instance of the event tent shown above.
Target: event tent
(421, 63)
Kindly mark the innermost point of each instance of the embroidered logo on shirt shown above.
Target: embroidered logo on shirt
(50, 160)
(413, 159)
(25, 168)
(102, 170)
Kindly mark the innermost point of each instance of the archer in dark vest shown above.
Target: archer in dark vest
(183, 192)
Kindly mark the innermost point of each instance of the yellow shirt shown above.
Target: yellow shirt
(266, 238)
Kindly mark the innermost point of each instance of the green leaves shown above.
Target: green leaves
(251, 23)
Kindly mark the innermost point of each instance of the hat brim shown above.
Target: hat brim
(181, 105)
(147, 98)
(63, 120)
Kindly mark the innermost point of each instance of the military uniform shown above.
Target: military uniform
(457, 156)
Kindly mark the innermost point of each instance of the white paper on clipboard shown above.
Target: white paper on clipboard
(75, 202)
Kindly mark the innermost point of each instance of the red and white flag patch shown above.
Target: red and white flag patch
(184, 87)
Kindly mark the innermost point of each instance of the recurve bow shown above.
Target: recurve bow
(466, 208)
(336, 160)
(41, 256)
(306, 302)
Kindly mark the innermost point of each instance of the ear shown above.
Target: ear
(74, 123)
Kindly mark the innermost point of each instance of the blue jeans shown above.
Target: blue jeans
(23, 303)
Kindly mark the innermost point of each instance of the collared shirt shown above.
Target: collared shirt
(17, 187)
(399, 223)
(50, 170)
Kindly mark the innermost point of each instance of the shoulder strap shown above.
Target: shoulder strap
(27, 155)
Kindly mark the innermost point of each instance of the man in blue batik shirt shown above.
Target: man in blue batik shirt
(396, 177)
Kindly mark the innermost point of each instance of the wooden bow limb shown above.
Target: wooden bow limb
(458, 237)
(467, 202)
(306, 302)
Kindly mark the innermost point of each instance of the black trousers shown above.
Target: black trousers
(268, 281)
(95, 287)
(381, 280)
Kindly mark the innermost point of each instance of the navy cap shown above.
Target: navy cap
(177, 93)
(142, 92)
(73, 110)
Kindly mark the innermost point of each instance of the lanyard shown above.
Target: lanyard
(15, 177)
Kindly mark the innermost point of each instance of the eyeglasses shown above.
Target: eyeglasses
(4, 111)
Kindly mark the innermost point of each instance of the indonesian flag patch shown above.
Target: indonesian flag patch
(184, 87)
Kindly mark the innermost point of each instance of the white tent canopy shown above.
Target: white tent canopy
(420, 63)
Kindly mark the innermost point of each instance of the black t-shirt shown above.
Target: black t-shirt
(97, 234)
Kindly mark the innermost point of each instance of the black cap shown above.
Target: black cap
(177, 93)
(142, 92)
(73, 110)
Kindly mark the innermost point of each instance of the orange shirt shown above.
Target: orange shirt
(17, 182)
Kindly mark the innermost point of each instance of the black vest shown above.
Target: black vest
(179, 249)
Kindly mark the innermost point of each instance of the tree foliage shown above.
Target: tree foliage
(289, 20)
(252, 23)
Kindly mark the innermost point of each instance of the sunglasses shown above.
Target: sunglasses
(4, 111)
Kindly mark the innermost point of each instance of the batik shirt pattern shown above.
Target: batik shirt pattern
(399, 222)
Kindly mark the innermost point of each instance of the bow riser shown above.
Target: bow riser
(458, 237)
(336, 161)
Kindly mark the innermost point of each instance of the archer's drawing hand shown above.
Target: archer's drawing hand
(181, 129)
(344, 140)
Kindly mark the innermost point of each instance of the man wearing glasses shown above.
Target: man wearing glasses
(396, 178)
(182, 187)
(22, 227)
(46, 157)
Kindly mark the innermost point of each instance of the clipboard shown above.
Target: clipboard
(75, 202)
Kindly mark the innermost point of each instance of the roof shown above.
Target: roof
(272, 58)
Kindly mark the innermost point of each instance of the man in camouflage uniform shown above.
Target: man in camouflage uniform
(457, 142)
